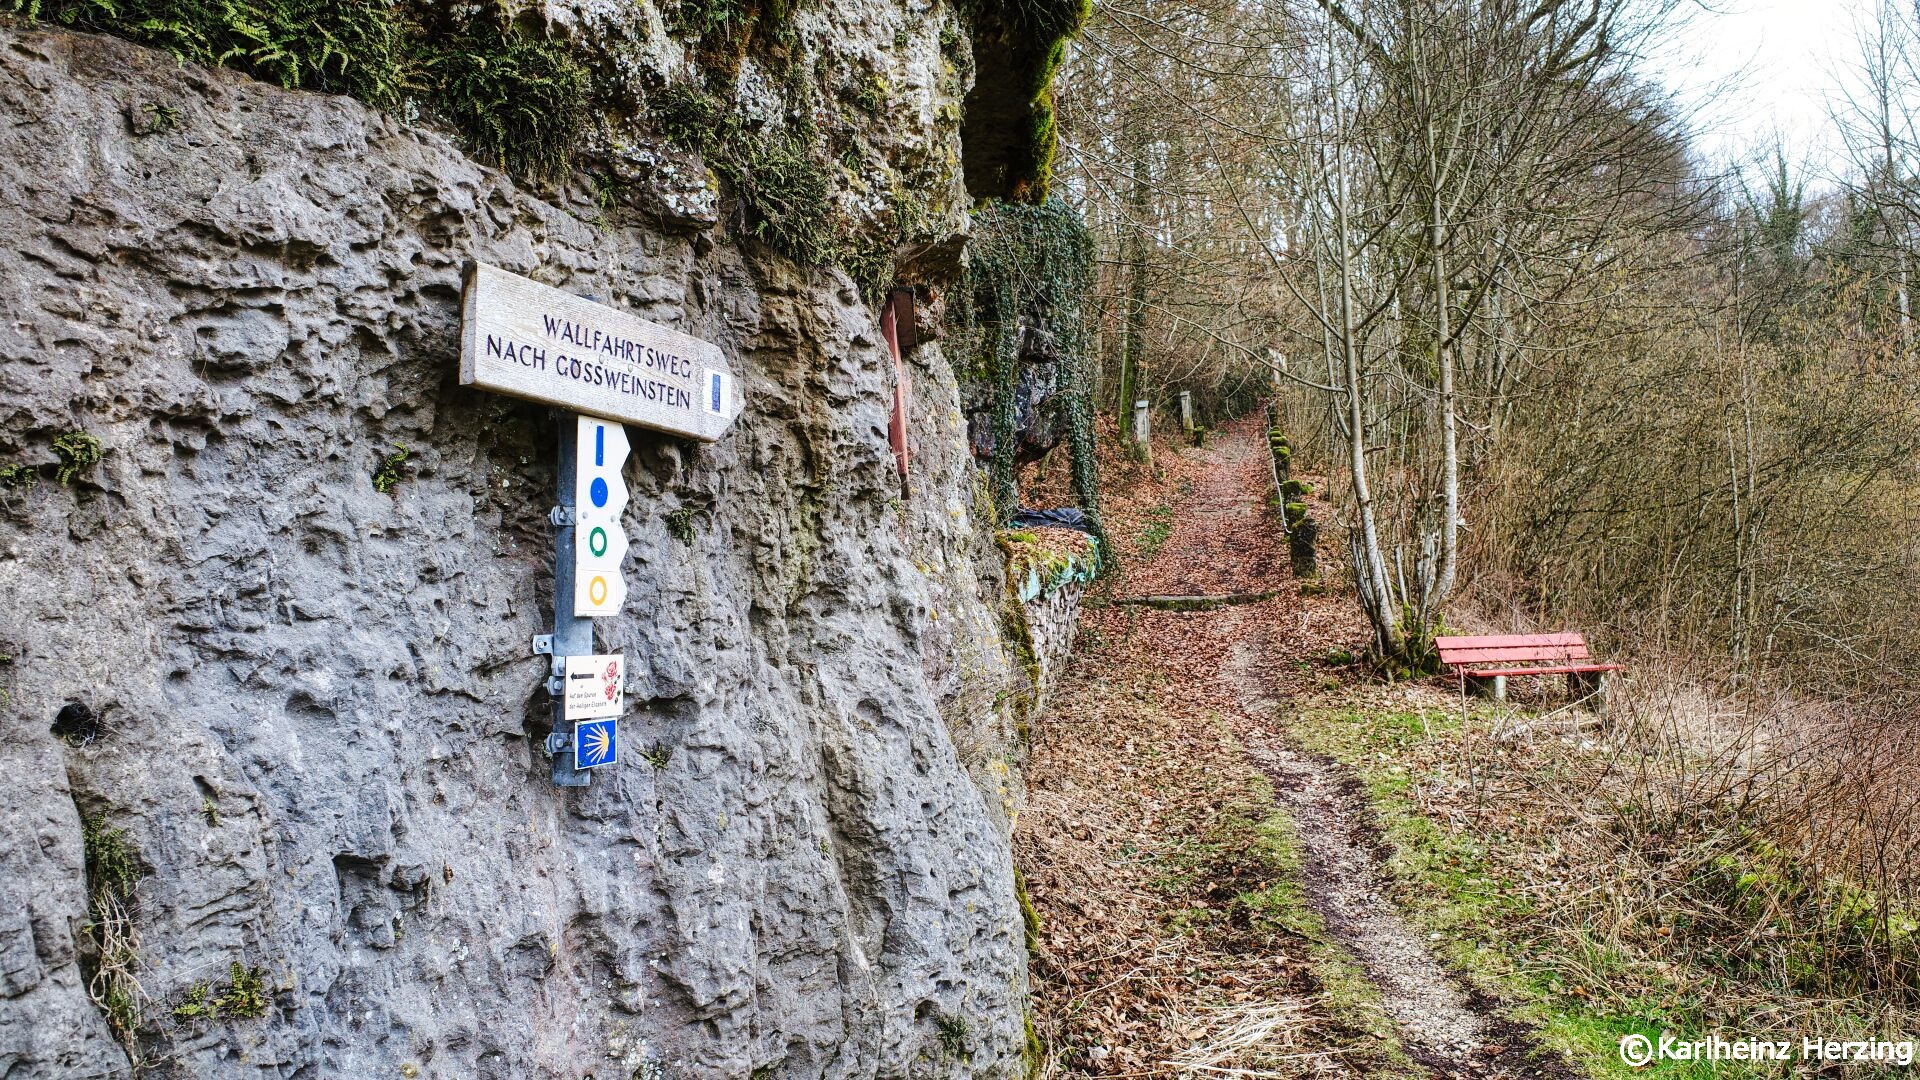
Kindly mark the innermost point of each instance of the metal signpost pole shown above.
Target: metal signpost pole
(609, 368)
(572, 636)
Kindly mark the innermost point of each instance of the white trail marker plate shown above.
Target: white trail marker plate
(533, 341)
(599, 497)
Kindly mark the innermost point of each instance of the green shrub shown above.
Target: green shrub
(78, 452)
(698, 18)
(245, 995)
(953, 1034)
(1032, 263)
(727, 30)
(152, 118)
(111, 865)
(195, 1004)
(680, 525)
(338, 46)
(391, 470)
(112, 868)
(521, 101)
(780, 184)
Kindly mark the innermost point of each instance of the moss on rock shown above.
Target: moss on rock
(518, 98)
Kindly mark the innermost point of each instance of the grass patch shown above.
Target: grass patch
(112, 870)
(1234, 876)
(1518, 915)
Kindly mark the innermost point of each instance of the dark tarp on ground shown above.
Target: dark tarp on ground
(1065, 517)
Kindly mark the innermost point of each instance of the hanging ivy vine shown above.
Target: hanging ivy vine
(1032, 265)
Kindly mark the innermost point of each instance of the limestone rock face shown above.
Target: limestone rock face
(1039, 401)
(315, 713)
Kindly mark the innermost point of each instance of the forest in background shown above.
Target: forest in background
(1598, 379)
(1552, 369)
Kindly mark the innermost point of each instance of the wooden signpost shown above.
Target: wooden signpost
(533, 341)
(607, 368)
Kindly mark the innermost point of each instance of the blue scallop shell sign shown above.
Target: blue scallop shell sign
(596, 743)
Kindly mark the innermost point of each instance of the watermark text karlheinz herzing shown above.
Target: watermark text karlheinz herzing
(1639, 1050)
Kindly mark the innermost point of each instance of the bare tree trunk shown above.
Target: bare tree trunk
(1371, 567)
(1134, 331)
(1906, 308)
(1880, 76)
(1449, 437)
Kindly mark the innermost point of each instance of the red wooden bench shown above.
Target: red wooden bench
(1491, 660)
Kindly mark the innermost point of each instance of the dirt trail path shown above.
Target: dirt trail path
(1241, 667)
(1442, 1025)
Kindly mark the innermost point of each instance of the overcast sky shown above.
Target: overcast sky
(1745, 69)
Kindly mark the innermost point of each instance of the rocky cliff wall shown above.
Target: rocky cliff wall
(289, 722)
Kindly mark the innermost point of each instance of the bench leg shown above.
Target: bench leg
(1492, 686)
(1582, 685)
